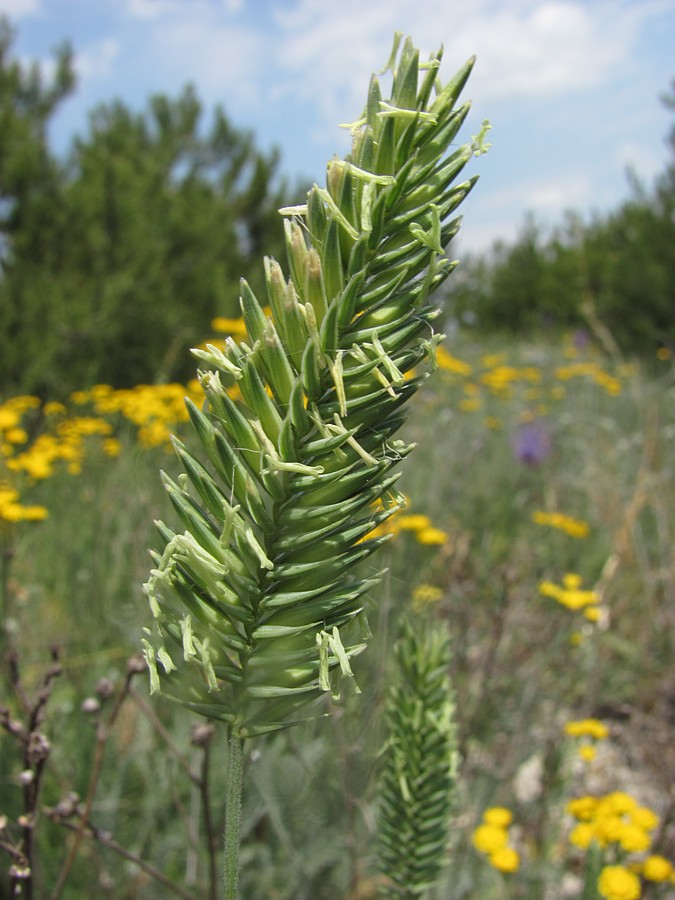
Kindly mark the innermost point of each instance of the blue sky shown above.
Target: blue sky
(571, 88)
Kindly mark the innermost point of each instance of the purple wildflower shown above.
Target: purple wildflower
(532, 443)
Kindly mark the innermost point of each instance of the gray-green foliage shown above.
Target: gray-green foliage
(258, 605)
(418, 768)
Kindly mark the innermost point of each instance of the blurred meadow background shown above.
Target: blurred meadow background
(539, 529)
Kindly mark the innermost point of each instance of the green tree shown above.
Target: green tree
(120, 255)
(30, 197)
(615, 272)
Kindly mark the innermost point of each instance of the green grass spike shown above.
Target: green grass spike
(296, 443)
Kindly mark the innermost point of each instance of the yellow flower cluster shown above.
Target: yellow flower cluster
(589, 730)
(500, 378)
(420, 526)
(593, 728)
(570, 595)
(449, 363)
(491, 837)
(232, 327)
(154, 409)
(618, 882)
(66, 444)
(36, 460)
(12, 432)
(614, 819)
(592, 371)
(573, 527)
(425, 595)
(12, 510)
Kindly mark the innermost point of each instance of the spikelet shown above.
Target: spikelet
(257, 604)
(418, 770)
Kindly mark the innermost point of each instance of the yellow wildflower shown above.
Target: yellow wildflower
(430, 536)
(12, 510)
(490, 360)
(587, 728)
(634, 839)
(583, 808)
(573, 527)
(569, 593)
(16, 435)
(505, 859)
(233, 327)
(643, 817)
(112, 447)
(657, 868)
(618, 883)
(471, 404)
(499, 816)
(9, 418)
(425, 594)
(450, 363)
(582, 835)
(414, 522)
(618, 802)
(608, 828)
(53, 408)
(489, 838)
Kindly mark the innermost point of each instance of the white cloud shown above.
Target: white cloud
(221, 58)
(546, 197)
(155, 9)
(321, 54)
(525, 48)
(552, 199)
(17, 8)
(98, 60)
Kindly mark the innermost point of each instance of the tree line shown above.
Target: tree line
(614, 274)
(115, 258)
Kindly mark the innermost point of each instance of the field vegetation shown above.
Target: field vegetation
(537, 535)
(539, 531)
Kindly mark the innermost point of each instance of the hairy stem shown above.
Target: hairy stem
(233, 815)
(211, 845)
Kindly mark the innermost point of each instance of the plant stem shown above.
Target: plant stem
(233, 815)
(5, 562)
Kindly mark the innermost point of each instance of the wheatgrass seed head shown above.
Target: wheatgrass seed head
(268, 602)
